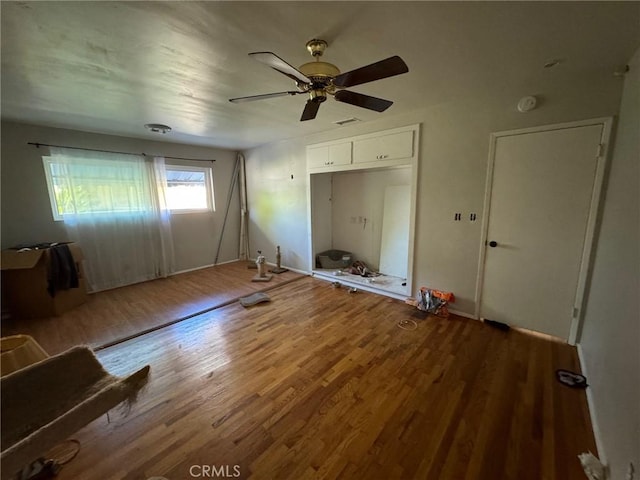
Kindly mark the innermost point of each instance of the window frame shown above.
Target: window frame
(208, 184)
(47, 161)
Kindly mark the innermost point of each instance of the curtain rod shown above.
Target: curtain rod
(38, 145)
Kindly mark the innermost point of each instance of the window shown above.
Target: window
(122, 185)
(96, 187)
(189, 189)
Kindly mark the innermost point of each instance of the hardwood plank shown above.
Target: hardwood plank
(323, 384)
(113, 315)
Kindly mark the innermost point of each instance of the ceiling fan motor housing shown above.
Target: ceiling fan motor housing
(317, 95)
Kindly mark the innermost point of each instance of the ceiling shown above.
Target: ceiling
(112, 67)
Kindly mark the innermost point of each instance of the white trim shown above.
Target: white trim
(413, 212)
(553, 126)
(303, 272)
(597, 434)
(208, 184)
(47, 161)
(586, 261)
(598, 184)
(269, 264)
(359, 286)
(297, 270)
(187, 270)
(463, 314)
(311, 255)
(485, 223)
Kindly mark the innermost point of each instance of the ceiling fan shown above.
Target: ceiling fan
(321, 79)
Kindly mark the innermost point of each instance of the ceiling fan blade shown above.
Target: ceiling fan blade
(376, 71)
(310, 110)
(275, 62)
(364, 101)
(263, 96)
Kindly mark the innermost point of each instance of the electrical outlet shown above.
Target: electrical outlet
(353, 219)
(360, 220)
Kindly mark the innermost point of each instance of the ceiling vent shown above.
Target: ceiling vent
(157, 128)
(346, 121)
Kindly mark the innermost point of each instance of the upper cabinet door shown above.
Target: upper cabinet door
(328, 155)
(317, 157)
(340, 154)
(385, 147)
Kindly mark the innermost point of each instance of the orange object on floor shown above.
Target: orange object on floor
(426, 301)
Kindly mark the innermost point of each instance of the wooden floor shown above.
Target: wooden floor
(116, 314)
(321, 383)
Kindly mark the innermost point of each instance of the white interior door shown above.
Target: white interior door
(539, 211)
(394, 245)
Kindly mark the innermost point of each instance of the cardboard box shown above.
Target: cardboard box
(25, 284)
(19, 351)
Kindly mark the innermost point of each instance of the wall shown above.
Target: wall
(451, 173)
(610, 338)
(277, 203)
(321, 215)
(360, 196)
(26, 211)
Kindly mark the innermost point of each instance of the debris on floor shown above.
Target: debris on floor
(571, 379)
(432, 301)
(253, 299)
(407, 324)
(499, 325)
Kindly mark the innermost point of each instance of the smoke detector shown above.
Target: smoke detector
(526, 104)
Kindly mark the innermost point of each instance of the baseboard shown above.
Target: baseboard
(358, 286)
(201, 267)
(592, 409)
(463, 314)
(303, 272)
(297, 270)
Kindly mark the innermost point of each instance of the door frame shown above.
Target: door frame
(586, 261)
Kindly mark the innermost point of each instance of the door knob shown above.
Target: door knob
(493, 244)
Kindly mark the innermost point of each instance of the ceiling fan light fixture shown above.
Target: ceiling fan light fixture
(317, 95)
(158, 128)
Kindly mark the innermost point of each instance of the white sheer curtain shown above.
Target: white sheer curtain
(114, 207)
